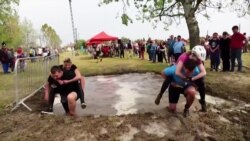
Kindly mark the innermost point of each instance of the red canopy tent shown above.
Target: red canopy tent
(94, 42)
(101, 37)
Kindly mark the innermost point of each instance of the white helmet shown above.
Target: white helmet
(200, 51)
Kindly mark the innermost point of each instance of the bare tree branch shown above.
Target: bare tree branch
(163, 10)
(197, 5)
(169, 15)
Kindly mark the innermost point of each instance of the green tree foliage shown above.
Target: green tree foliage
(80, 43)
(125, 40)
(50, 36)
(30, 36)
(170, 11)
(10, 30)
(7, 9)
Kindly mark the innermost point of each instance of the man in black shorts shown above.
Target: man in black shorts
(58, 83)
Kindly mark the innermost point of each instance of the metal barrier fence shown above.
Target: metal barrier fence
(30, 76)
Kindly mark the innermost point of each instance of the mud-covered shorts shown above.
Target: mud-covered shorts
(174, 93)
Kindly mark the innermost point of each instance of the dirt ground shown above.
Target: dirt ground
(226, 122)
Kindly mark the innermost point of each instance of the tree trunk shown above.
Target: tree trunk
(194, 31)
(192, 24)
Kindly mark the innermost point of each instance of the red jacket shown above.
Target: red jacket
(237, 40)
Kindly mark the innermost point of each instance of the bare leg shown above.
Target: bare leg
(190, 92)
(72, 103)
(190, 96)
(172, 107)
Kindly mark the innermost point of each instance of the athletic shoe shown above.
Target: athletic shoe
(158, 99)
(48, 111)
(203, 108)
(83, 105)
(186, 112)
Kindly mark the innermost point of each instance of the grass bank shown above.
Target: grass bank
(90, 67)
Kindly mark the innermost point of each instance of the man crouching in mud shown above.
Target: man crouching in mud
(181, 86)
(57, 83)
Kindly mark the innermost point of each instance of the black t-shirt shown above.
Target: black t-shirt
(53, 83)
(65, 88)
(129, 46)
(121, 46)
(72, 68)
(4, 56)
(214, 43)
(225, 44)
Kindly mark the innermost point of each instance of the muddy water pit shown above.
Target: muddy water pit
(128, 94)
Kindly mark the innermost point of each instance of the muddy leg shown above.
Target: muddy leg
(190, 96)
(71, 98)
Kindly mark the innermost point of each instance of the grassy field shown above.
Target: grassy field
(246, 59)
(89, 67)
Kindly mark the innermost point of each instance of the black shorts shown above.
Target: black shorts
(174, 93)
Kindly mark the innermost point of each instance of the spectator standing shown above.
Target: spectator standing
(11, 57)
(178, 47)
(162, 51)
(4, 58)
(214, 45)
(245, 43)
(170, 47)
(236, 46)
(121, 48)
(149, 44)
(153, 51)
(141, 49)
(225, 51)
(20, 54)
(130, 49)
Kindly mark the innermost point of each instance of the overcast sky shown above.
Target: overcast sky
(91, 19)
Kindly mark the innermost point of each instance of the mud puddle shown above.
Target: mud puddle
(132, 94)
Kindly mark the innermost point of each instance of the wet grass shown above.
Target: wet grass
(229, 85)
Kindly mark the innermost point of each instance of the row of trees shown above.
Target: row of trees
(50, 36)
(21, 33)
